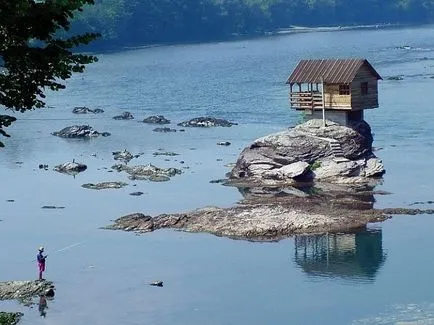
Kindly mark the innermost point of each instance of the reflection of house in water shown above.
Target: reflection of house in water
(355, 255)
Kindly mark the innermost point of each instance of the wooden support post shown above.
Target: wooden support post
(323, 103)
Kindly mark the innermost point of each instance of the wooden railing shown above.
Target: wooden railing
(306, 100)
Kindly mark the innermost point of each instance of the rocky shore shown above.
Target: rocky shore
(25, 290)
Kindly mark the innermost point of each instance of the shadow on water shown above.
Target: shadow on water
(353, 256)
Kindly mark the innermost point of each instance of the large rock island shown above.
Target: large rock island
(311, 152)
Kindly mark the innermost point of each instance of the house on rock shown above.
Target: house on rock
(334, 89)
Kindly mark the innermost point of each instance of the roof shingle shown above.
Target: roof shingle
(328, 70)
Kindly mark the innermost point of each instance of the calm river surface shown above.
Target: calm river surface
(380, 276)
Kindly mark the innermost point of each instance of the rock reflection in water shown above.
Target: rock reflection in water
(351, 255)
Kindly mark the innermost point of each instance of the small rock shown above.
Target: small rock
(136, 193)
(224, 143)
(396, 78)
(86, 110)
(218, 181)
(206, 122)
(165, 153)
(124, 116)
(49, 293)
(164, 130)
(124, 156)
(71, 168)
(104, 185)
(79, 131)
(156, 119)
(156, 283)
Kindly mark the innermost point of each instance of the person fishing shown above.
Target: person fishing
(41, 262)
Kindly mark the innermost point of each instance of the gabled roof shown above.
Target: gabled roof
(329, 70)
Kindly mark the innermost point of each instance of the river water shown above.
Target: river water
(378, 276)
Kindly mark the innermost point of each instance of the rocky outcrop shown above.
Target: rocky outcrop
(124, 116)
(255, 222)
(86, 110)
(71, 168)
(206, 122)
(309, 152)
(104, 185)
(156, 119)
(80, 132)
(148, 172)
(23, 290)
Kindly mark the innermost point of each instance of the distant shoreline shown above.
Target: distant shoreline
(292, 29)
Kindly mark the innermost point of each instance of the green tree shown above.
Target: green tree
(33, 56)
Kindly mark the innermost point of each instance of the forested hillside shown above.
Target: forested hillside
(132, 22)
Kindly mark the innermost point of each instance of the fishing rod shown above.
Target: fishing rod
(65, 248)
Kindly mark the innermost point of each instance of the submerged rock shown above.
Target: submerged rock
(156, 119)
(124, 116)
(334, 153)
(148, 172)
(71, 168)
(206, 122)
(104, 185)
(136, 193)
(164, 130)
(79, 131)
(23, 290)
(165, 153)
(86, 110)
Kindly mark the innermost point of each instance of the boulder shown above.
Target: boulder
(86, 110)
(156, 119)
(292, 171)
(124, 116)
(124, 156)
(71, 168)
(148, 172)
(374, 168)
(307, 148)
(224, 143)
(205, 122)
(79, 131)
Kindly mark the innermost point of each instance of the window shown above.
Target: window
(364, 88)
(344, 89)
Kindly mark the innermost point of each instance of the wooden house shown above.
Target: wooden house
(334, 89)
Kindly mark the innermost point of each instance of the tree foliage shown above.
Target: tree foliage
(157, 21)
(34, 57)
